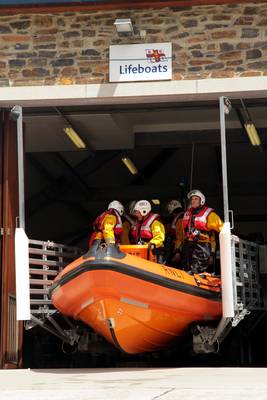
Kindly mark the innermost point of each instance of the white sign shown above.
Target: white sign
(140, 62)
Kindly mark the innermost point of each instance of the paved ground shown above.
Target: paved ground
(134, 384)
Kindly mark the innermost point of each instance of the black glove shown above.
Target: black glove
(150, 247)
(176, 257)
(211, 259)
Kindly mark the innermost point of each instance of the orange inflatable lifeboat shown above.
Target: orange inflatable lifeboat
(135, 303)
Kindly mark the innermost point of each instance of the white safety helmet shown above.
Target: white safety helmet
(116, 205)
(172, 205)
(143, 206)
(198, 194)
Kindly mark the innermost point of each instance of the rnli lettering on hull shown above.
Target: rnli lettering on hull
(140, 62)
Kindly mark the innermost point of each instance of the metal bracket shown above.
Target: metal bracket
(69, 336)
(202, 340)
(238, 317)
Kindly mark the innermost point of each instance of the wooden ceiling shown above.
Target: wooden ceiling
(85, 5)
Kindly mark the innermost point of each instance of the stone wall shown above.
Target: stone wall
(213, 41)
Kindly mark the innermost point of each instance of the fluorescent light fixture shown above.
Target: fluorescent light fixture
(130, 165)
(252, 134)
(250, 127)
(156, 202)
(124, 25)
(74, 137)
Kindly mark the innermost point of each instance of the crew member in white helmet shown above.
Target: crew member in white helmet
(199, 225)
(108, 225)
(148, 229)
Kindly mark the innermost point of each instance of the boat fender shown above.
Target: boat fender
(112, 250)
(100, 250)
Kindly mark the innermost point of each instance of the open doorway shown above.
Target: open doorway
(174, 148)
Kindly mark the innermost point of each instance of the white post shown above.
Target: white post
(21, 239)
(228, 310)
(16, 115)
(22, 275)
(226, 271)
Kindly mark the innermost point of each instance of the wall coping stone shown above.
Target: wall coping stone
(190, 90)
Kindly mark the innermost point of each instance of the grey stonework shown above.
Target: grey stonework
(212, 41)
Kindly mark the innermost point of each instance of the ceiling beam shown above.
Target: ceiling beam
(77, 177)
(109, 156)
(51, 193)
(39, 167)
(153, 166)
(59, 187)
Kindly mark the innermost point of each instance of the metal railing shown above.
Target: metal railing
(248, 294)
(46, 260)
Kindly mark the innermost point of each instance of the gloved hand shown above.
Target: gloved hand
(141, 242)
(210, 259)
(176, 257)
(150, 249)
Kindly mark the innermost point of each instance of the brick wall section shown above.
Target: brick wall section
(213, 41)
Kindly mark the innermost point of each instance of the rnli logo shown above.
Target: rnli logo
(155, 56)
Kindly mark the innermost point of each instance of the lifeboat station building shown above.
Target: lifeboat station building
(178, 90)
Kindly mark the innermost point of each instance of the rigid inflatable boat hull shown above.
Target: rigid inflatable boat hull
(137, 305)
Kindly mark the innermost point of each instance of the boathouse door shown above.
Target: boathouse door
(10, 329)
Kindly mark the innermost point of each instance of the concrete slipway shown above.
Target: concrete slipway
(134, 384)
